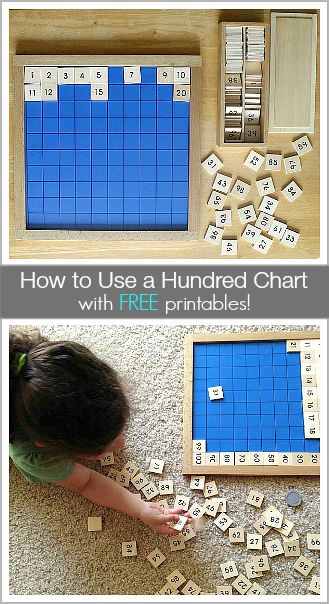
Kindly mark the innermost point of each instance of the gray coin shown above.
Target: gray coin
(294, 498)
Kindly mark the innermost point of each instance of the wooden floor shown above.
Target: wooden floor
(167, 32)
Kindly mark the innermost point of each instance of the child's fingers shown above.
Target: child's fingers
(176, 511)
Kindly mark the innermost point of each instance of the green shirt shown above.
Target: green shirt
(37, 465)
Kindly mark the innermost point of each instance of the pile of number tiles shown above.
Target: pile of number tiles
(247, 580)
(261, 220)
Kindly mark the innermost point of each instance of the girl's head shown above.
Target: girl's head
(63, 397)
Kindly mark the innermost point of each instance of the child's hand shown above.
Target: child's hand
(159, 519)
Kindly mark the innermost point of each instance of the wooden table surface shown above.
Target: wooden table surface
(164, 31)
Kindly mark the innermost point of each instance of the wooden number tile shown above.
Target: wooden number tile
(49, 91)
(181, 92)
(179, 525)
(176, 542)
(311, 432)
(236, 535)
(132, 74)
(66, 75)
(261, 526)
(261, 563)
(252, 134)
(247, 214)
(224, 590)
(265, 186)
(215, 393)
(163, 503)
(256, 590)
(229, 569)
(252, 116)
(223, 219)
(222, 183)
(312, 459)
(302, 145)
(271, 459)
(212, 459)
(284, 459)
(217, 200)
(307, 356)
(196, 510)
(182, 75)
(254, 160)
(286, 527)
(310, 405)
(255, 498)
(309, 380)
(32, 92)
(98, 75)
(94, 523)
(256, 459)
(123, 478)
(273, 517)
(242, 584)
(150, 491)
(213, 234)
(292, 345)
(251, 233)
(293, 536)
(191, 589)
(303, 566)
(48, 75)
(166, 487)
(210, 489)
(188, 532)
(226, 459)
(222, 504)
(251, 572)
(277, 229)
(156, 557)
(108, 459)
(315, 585)
(223, 521)
(32, 75)
(168, 590)
(313, 541)
(274, 548)
(240, 189)
(262, 244)
(264, 221)
(254, 541)
(214, 505)
(292, 164)
(229, 247)
(99, 92)
(113, 473)
(212, 164)
(176, 578)
(197, 483)
(292, 191)
(165, 75)
(241, 459)
(291, 549)
(198, 459)
(310, 394)
(268, 205)
(182, 501)
(129, 548)
(139, 481)
(156, 466)
(82, 75)
(273, 162)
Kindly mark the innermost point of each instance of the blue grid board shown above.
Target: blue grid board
(121, 164)
(262, 406)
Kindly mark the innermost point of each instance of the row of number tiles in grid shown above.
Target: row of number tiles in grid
(262, 403)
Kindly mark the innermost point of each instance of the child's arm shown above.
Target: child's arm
(104, 491)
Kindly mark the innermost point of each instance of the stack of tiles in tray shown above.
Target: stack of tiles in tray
(234, 50)
(233, 83)
(252, 96)
(255, 43)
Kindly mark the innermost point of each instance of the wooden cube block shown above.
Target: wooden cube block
(168, 590)
(108, 459)
(313, 541)
(226, 459)
(94, 523)
(212, 164)
(315, 585)
(182, 75)
(150, 491)
(223, 218)
(213, 234)
(196, 510)
(182, 501)
(188, 532)
(292, 164)
(268, 205)
(132, 74)
(251, 233)
(224, 590)
(49, 91)
(82, 75)
(255, 498)
(241, 189)
(176, 542)
(277, 229)
(291, 549)
(181, 92)
(241, 584)
(247, 214)
(292, 191)
(254, 541)
(156, 466)
(223, 521)
(191, 589)
(212, 459)
(210, 489)
(217, 200)
(32, 75)
(211, 506)
(49, 75)
(254, 160)
(260, 563)
(302, 145)
(131, 468)
(265, 186)
(274, 548)
(165, 75)
(229, 569)
(166, 487)
(123, 478)
(256, 590)
(273, 517)
(156, 557)
(139, 481)
(273, 162)
(179, 525)
(176, 578)
(222, 183)
(261, 526)
(129, 548)
(262, 244)
(229, 247)
(290, 238)
(197, 483)
(163, 503)
(236, 534)
(215, 393)
(264, 221)
(303, 566)
(65, 75)
(99, 92)
(251, 572)
(98, 75)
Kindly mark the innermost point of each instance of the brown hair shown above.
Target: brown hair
(63, 396)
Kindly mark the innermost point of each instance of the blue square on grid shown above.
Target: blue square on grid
(115, 75)
(34, 125)
(99, 205)
(35, 204)
(33, 108)
(66, 92)
(83, 173)
(115, 92)
(131, 125)
(164, 157)
(131, 109)
(148, 92)
(82, 125)
(83, 205)
(131, 205)
(51, 189)
(181, 109)
(98, 173)
(165, 109)
(181, 125)
(148, 109)
(66, 108)
(148, 221)
(51, 205)
(83, 109)
(132, 92)
(67, 204)
(164, 125)
(148, 125)
(36, 220)
(83, 92)
(34, 173)
(83, 158)
(165, 92)
(148, 75)
(99, 109)
(115, 109)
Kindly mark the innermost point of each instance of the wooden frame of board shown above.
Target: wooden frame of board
(193, 61)
(246, 470)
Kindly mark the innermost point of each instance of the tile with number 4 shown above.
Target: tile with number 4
(222, 183)
(247, 214)
(229, 247)
(268, 205)
(156, 557)
(292, 191)
(265, 186)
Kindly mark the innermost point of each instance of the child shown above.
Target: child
(67, 405)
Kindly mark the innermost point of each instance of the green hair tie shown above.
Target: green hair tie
(21, 362)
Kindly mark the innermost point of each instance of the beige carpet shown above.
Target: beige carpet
(51, 551)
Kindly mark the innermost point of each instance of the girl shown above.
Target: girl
(67, 405)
